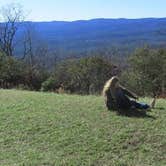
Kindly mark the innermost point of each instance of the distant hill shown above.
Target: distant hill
(83, 36)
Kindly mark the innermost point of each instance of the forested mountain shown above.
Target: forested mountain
(83, 36)
(49, 53)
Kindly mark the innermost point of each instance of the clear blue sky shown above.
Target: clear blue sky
(47, 10)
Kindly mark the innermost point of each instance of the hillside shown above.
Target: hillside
(50, 129)
(82, 36)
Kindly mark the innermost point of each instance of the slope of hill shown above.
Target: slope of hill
(50, 129)
(81, 36)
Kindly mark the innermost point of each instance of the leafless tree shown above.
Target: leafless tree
(28, 44)
(11, 17)
(36, 50)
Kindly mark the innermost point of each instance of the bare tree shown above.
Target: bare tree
(12, 15)
(28, 44)
(36, 50)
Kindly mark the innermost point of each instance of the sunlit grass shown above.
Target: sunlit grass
(49, 129)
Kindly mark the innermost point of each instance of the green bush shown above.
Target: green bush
(11, 72)
(147, 72)
(49, 84)
(83, 76)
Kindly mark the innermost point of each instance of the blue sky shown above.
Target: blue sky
(69, 10)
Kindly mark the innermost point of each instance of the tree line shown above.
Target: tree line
(143, 71)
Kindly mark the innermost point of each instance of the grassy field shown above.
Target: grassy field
(49, 129)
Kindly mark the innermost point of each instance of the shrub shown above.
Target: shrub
(83, 76)
(147, 72)
(49, 84)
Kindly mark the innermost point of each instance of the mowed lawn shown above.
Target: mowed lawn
(69, 130)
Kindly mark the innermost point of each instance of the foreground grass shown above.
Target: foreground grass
(48, 129)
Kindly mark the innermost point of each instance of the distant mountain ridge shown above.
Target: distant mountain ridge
(86, 35)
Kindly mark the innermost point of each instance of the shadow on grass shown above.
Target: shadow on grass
(135, 113)
(159, 108)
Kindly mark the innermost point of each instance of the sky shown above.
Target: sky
(70, 10)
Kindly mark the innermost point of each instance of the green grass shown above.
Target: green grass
(49, 129)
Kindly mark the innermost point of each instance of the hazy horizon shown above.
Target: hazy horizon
(62, 10)
(96, 19)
